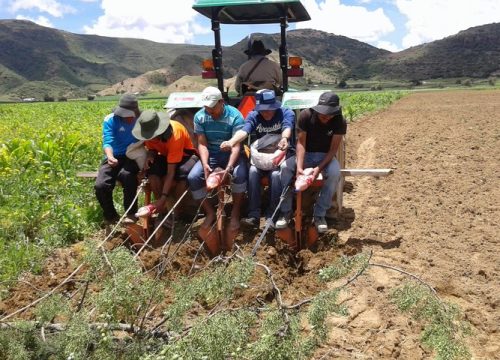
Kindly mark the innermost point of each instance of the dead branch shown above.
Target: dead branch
(128, 328)
(406, 273)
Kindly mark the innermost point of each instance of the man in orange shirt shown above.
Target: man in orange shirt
(171, 154)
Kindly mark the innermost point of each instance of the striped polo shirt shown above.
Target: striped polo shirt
(218, 130)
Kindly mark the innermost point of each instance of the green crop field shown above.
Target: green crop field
(42, 203)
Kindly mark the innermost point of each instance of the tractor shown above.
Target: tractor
(254, 12)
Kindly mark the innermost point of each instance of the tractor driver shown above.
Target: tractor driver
(258, 72)
(320, 132)
(215, 123)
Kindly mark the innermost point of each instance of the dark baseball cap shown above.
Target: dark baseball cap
(328, 104)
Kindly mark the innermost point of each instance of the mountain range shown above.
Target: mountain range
(37, 61)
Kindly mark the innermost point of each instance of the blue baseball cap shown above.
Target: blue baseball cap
(266, 100)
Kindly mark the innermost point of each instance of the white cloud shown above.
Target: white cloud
(51, 7)
(156, 20)
(355, 22)
(430, 20)
(41, 20)
(387, 45)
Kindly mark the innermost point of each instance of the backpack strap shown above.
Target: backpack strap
(253, 69)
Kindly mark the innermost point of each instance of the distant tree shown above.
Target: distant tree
(491, 81)
(458, 82)
(90, 97)
(416, 82)
(63, 98)
(157, 78)
(467, 82)
(48, 98)
(342, 84)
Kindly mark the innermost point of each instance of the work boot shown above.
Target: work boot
(251, 222)
(129, 219)
(320, 223)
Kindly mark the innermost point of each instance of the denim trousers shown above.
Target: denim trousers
(331, 177)
(196, 177)
(255, 191)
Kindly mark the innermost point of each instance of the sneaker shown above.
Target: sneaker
(282, 222)
(251, 222)
(129, 219)
(321, 224)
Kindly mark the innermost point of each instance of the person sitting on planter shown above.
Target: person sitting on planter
(320, 132)
(272, 126)
(215, 123)
(171, 155)
(116, 137)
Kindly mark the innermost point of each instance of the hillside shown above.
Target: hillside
(71, 64)
(37, 60)
(474, 53)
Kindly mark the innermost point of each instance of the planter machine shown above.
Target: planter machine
(253, 12)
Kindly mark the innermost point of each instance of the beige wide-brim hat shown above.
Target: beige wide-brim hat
(150, 124)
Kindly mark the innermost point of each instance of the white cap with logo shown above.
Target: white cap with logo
(210, 96)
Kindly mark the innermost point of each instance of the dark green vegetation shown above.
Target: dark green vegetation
(205, 316)
(36, 61)
(42, 203)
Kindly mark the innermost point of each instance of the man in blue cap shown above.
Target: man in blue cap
(272, 126)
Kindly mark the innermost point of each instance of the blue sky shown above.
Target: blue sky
(389, 24)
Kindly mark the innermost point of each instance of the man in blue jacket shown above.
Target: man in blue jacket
(116, 137)
(275, 125)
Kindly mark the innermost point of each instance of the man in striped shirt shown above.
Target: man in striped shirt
(215, 123)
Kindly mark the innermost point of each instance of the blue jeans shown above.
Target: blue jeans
(287, 173)
(331, 177)
(196, 177)
(254, 191)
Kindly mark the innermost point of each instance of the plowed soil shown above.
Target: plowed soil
(435, 217)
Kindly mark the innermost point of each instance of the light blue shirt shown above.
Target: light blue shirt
(220, 130)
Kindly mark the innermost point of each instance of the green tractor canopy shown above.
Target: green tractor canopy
(251, 12)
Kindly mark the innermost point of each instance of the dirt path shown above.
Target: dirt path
(437, 217)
